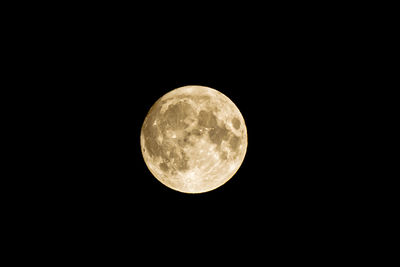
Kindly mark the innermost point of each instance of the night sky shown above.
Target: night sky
(101, 81)
(284, 176)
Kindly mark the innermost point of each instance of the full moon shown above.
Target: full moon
(193, 139)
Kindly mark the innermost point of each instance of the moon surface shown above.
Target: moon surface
(193, 139)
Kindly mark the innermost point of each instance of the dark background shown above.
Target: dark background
(286, 181)
(97, 77)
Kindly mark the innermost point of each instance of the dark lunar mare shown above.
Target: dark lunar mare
(219, 132)
(173, 118)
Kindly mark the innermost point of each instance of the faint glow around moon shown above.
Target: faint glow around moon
(193, 139)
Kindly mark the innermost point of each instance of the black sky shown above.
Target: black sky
(100, 79)
(280, 91)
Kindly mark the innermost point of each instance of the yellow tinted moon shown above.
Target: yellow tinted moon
(193, 139)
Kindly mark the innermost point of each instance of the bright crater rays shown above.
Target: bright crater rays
(193, 139)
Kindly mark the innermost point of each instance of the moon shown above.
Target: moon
(193, 139)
